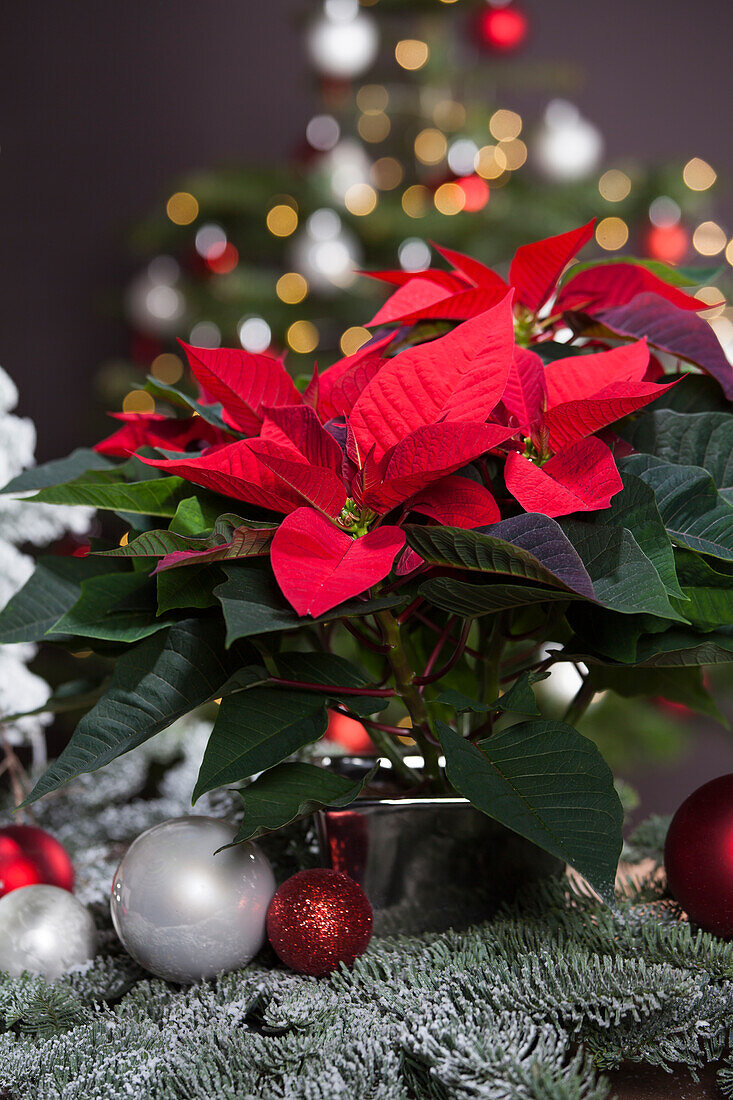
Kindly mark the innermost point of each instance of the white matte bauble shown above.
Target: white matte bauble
(567, 146)
(185, 911)
(343, 42)
(45, 930)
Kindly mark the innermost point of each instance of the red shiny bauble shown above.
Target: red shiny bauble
(29, 856)
(348, 733)
(698, 856)
(502, 29)
(318, 919)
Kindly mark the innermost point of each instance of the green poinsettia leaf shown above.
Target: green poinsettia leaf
(694, 513)
(687, 439)
(174, 396)
(257, 729)
(331, 671)
(624, 578)
(518, 699)
(541, 551)
(51, 590)
(160, 496)
(152, 685)
(700, 393)
(253, 604)
(548, 783)
(679, 685)
(288, 792)
(193, 587)
(635, 508)
(474, 600)
(59, 470)
(119, 607)
(676, 648)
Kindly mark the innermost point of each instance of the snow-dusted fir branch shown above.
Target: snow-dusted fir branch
(32, 525)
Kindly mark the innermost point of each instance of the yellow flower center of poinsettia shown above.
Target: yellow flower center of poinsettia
(355, 520)
(536, 451)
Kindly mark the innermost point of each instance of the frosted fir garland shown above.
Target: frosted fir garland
(535, 1005)
(24, 524)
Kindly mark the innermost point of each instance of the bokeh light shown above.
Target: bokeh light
(698, 174)
(415, 200)
(167, 367)
(709, 239)
(491, 162)
(612, 233)
(291, 288)
(224, 261)
(360, 199)
(462, 156)
(386, 173)
(182, 208)
(374, 128)
(430, 146)
(282, 220)
(505, 125)
(302, 337)
(210, 240)
(614, 185)
(322, 132)
(449, 199)
(449, 114)
(414, 254)
(714, 297)
(515, 152)
(138, 401)
(664, 211)
(353, 339)
(411, 53)
(372, 99)
(476, 191)
(205, 334)
(254, 334)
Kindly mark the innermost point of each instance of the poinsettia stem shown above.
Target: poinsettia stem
(376, 647)
(382, 736)
(580, 703)
(433, 677)
(408, 691)
(490, 646)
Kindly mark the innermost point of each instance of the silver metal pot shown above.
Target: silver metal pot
(427, 864)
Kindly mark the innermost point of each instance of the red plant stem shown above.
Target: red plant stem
(396, 731)
(421, 681)
(434, 627)
(376, 647)
(411, 607)
(334, 689)
(445, 635)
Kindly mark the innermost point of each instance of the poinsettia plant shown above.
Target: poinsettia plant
(508, 475)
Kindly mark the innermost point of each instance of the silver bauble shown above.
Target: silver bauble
(184, 912)
(45, 930)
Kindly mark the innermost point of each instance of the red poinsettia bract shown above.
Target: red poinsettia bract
(380, 436)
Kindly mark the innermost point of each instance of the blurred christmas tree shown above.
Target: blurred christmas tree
(418, 138)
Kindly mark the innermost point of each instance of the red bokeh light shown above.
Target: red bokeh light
(503, 29)
(476, 191)
(668, 243)
(348, 733)
(223, 260)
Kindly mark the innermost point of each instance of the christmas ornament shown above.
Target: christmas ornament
(348, 733)
(343, 42)
(45, 930)
(30, 856)
(502, 28)
(698, 856)
(566, 147)
(185, 910)
(318, 919)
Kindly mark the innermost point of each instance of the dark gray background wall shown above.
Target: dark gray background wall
(101, 103)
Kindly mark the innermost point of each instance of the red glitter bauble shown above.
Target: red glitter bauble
(318, 919)
(29, 856)
(502, 29)
(698, 856)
